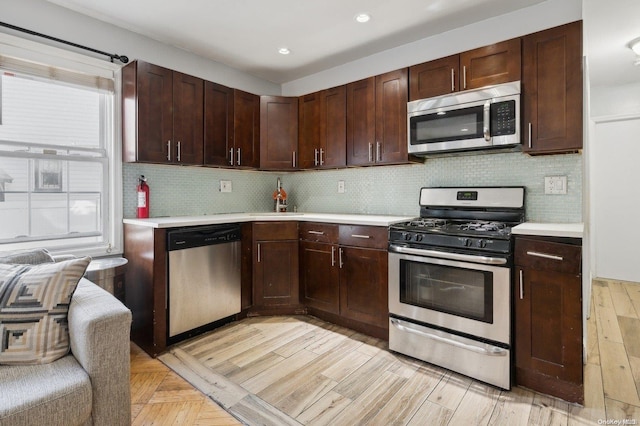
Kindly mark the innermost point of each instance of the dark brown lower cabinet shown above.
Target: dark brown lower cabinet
(363, 285)
(548, 317)
(275, 268)
(319, 276)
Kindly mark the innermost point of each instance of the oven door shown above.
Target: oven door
(469, 298)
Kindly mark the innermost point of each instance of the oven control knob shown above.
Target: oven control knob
(419, 237)
(407, 237)
(482, 243)
(468, 242)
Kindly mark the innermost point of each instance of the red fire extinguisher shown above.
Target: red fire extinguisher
(143, 197)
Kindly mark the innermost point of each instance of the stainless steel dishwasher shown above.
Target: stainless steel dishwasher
(204, 277)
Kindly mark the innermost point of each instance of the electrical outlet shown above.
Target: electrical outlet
(225, 186)
(555, 185)
(340, 187)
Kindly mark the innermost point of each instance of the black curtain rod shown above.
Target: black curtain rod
(113, 56)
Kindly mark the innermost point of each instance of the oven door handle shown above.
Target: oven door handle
(451, 256)
(484, 350)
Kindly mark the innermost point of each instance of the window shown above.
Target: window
(59, 162)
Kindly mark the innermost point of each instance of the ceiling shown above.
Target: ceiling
(246, 34)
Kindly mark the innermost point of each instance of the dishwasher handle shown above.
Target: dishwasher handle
(199, 236)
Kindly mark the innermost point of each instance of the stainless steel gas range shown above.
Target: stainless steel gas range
(450, 281)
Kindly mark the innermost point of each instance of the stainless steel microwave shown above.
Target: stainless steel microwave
(470, 120)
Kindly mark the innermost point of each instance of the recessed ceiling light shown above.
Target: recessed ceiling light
(362, 17)
(284, 51)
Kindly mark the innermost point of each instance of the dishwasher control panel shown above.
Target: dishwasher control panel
(198, 236)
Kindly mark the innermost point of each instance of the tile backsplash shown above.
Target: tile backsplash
(180, 191)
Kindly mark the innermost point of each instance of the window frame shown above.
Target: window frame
(112, 209)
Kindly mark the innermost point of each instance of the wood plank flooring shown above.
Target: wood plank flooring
(300, 370)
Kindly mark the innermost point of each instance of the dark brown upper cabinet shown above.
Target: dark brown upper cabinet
(163, 115)
(485, 66)
(278, 133)
(552, 87)
(322, 121)
(377, 119)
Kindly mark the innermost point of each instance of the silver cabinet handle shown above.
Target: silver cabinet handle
(321, 154)
(178, 151)
(487, 111)
(169, 150)
(361, 236)
(378, 150)
(340, 258)
(545, 255)
(238, 159)
(521, 285)
(370, 152)
(258, 252)
(315, 157)
(530, 134)
(453, 84)
(231, 157)
(316, 232)
(464, 77)
(294, 159)
(333, 255)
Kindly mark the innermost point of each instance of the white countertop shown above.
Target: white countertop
(348, 219)
(569, 230)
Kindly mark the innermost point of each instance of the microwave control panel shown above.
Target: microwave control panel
(503, 118)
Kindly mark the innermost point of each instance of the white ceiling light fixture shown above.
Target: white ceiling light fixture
(284, 51)
(362, 17)
(635, 46)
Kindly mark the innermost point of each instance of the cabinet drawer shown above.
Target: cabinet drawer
(364, 236)
(548, 256)
(318, 232)
(275, 231)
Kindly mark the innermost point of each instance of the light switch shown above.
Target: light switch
(340, 187)
(555, 185)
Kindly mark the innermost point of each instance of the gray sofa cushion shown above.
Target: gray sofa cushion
(58, 393)
(26, 257)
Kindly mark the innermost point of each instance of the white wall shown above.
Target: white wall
(545, 15)
(52, 20)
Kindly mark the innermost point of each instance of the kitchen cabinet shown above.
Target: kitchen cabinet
(552, 88)
(146, 277)
(275, 268)
(377, 120)
(231, 127)
(319, 270)
(163, 115)
(484, 66)
(278, 133)
(322, 129)
(548, 316)
(344, 275)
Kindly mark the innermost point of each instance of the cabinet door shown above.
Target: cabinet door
(552, 87)
(276, 273)
(218, 125)
(434, 78)
(363, 285)
(361, 121)
(333, 127)
(188, 118)
(278, 133)
(155, 142)
(551, 302)
(319, 278)
(309, 130)
(246, 129)
(493, 64)
(391, 118)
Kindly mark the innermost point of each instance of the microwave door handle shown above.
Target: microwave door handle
(487, 117)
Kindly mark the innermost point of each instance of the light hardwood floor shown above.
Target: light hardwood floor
(300, 370)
